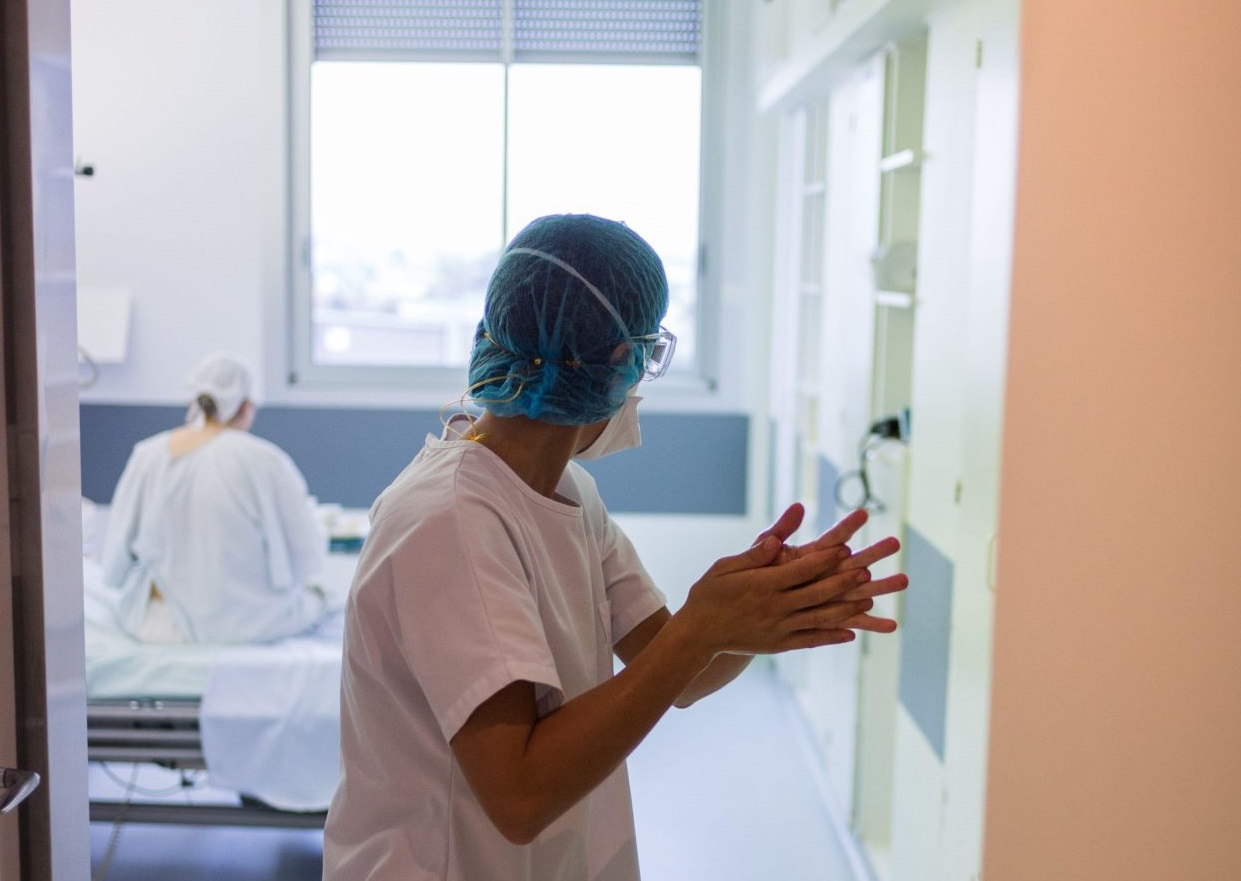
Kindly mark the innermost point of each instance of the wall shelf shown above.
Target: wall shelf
(905, 159)
(895, 299)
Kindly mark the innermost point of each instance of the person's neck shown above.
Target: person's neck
(187, 438)
(536, 451)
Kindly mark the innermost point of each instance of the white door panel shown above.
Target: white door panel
(45, 710)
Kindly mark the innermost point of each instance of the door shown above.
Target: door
(42, 679)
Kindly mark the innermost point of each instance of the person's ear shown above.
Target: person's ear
(621, 353)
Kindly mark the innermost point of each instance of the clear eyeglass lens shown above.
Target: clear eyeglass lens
(662, 345)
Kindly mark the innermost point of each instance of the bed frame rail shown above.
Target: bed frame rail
(158, 730)
(165, 731)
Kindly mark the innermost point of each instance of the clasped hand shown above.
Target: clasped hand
(775, 597)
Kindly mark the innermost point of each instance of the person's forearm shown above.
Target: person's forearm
(721, 671)
(574, 749)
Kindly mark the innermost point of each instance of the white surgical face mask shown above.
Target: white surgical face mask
(621, 433)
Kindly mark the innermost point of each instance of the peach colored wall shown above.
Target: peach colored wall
(1115, 747)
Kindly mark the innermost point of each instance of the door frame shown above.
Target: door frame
(42, 671)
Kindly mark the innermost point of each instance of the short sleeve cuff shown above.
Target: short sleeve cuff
(543, 676)
(634, 612)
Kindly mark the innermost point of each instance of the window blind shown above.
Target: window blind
(614, 31)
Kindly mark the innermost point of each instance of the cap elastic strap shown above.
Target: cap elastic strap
(569, 269)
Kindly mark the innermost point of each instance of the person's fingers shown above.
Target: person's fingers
(761, 553)
(838, 535)
(810, 569)
(776, 572)
(846, 527)
(837, 634)
(787, 524)
(814, 638)
(868, 556)
(829, 588)
(767, 547)
(829, 616)
(842, 616)
(834, 624)
(877, 587)
(871, 623)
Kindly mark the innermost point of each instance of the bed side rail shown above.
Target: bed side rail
(160, 730)
(248, 813)
(165, 731)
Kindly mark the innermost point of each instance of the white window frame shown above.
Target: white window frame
(443, 382)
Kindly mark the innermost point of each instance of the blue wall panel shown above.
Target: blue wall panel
(687, 464)
(926, 625)
(829, 474)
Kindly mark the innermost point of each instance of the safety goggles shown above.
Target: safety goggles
(658, 348)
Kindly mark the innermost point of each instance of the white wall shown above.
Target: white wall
(178, 107)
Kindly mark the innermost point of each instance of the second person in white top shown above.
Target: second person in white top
(212, 536)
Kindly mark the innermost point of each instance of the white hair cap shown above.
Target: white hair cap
(226, 378)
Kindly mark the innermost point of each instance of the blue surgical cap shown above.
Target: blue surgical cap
(568, 291)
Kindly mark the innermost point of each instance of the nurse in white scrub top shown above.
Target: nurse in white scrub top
(483, 731)
(212, 536)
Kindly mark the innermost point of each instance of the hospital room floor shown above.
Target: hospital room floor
(722, 792)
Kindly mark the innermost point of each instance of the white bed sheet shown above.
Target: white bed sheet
(269, 718)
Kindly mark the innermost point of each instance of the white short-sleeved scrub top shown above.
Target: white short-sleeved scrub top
(226, 531)
(469, 581)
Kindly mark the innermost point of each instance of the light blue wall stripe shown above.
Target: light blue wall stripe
(829, 474)
(687, 464)
(926, 624)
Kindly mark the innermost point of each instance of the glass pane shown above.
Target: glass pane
(620, 141)
(406, 196)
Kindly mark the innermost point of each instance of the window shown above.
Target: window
(428, 132)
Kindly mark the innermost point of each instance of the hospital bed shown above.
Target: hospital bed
(248, 734)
